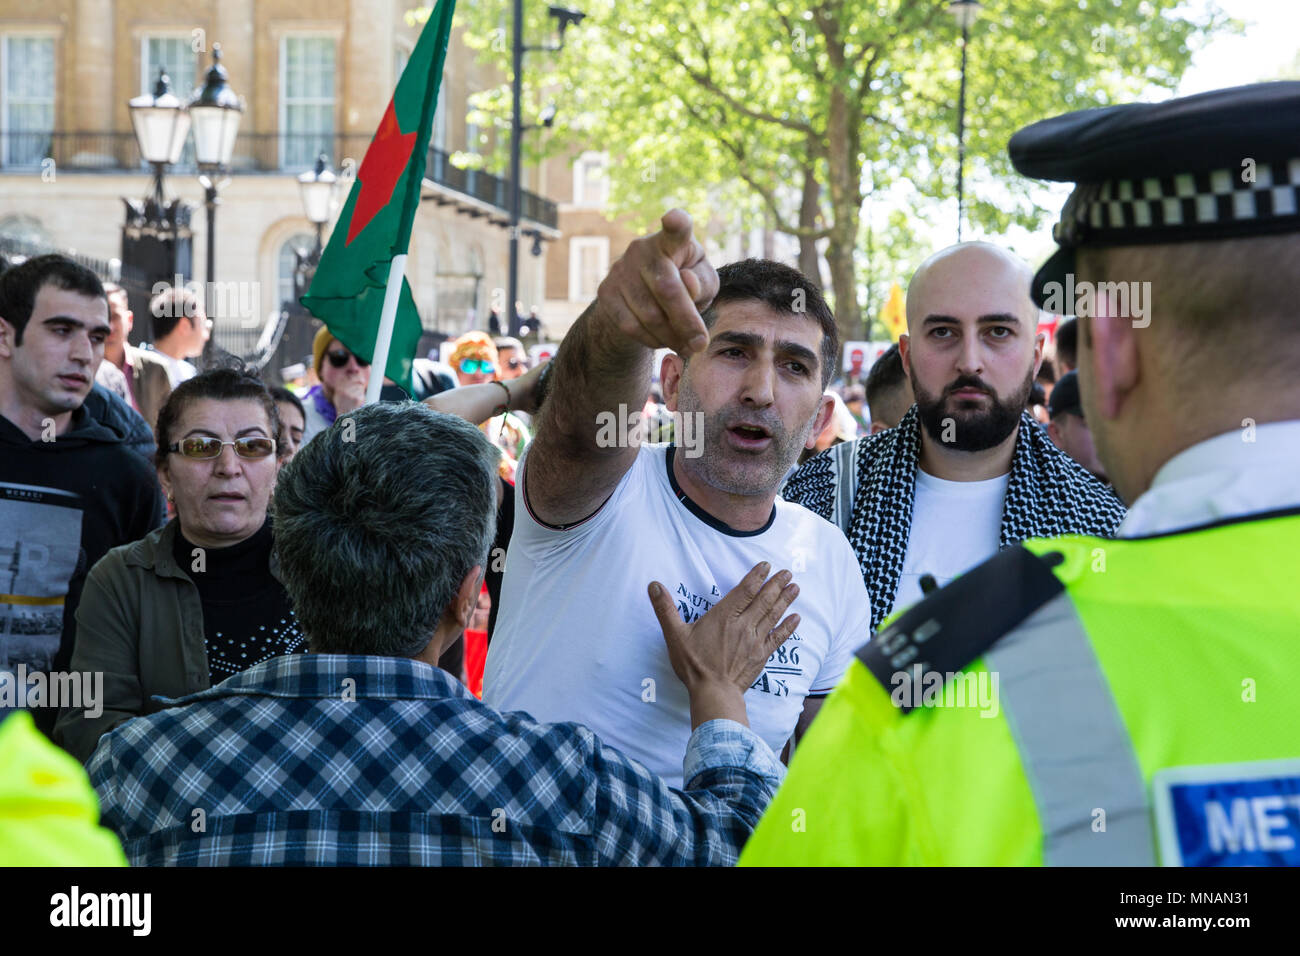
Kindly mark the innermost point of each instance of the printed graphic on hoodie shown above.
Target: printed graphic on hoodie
(40, 544)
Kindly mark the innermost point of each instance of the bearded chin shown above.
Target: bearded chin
(972, 431)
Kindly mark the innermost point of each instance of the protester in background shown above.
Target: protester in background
(70, 489)
(855, 399)
(343, 381)
(431, 377)
(532, 325)
(841, 427)
(383, 539)
(1068, 427)
(512, 358)
(198, 600)
(293, 422)
(512, 362)
(474, 359)
(476, 362)
(180, 330)
(967, 471)
(889, 393)
(1067, 346)
(1046, 377)
(142, 371)
(1036, 403)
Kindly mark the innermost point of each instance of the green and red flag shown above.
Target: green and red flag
(368, 245)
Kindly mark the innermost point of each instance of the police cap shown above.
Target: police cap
(1216, 165)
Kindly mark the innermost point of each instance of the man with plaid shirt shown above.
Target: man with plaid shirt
(363, 752)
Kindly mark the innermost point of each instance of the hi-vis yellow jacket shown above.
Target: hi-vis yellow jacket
(1075, 701)
(49, 815)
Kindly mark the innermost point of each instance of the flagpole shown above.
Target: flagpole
(387, 320)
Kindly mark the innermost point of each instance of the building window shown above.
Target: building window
(588, 263)
(306, 100)
(288, 262)
(26, 99)
(177, 56)
(590, 184)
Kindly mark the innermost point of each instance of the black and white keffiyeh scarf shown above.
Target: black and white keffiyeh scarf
(1048, 494)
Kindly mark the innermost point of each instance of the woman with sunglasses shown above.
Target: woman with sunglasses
(476, 361)
(343, 380)
(198, 600)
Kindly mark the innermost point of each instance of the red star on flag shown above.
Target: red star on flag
(385, 161)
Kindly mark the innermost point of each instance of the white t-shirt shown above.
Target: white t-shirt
(955, 526)
(576, 637)
(178, 370)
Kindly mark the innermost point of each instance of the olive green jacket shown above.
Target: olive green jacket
(140, 624)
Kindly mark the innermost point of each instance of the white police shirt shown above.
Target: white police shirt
(1244, 471)
(577, 639)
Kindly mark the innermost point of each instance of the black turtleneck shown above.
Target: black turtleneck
(247, 617)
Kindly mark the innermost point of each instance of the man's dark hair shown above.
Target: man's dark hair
(232, 383)
(1067, 342)
(1046, 373)
(377, 521)
(281, 394)
(20, 284)
(171, 305)
(785, 290)
(886, 375)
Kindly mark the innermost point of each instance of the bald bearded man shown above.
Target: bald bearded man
(966, 472)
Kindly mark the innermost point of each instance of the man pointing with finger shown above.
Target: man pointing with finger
(601, 516)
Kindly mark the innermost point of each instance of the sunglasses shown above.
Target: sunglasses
(516, 363)
(475, 366)
(200, 447)
(340, 359)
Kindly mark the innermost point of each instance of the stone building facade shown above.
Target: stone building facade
(315, 77)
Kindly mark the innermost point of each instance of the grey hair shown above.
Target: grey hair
(378, 521)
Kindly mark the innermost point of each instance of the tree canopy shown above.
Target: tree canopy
(793, 114)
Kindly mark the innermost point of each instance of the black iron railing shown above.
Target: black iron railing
(54, 153)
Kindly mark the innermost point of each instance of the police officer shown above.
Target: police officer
(1082, 701)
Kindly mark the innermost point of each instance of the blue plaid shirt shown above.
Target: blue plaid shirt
(334, 760)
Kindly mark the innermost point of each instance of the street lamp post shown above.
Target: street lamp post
(215, 112)
(156, 235)
(564, 17)
(161, 125)
(965, 12)
(317, 189)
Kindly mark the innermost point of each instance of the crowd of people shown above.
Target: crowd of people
(469, 629)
